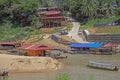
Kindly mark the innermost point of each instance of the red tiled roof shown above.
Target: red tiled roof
(34, 47)
(10, 43)
(56, 17)
(24, 46)
(49, 12)
(110, 45)
(52, 12)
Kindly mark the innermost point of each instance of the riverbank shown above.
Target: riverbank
(28, 64)
(76, 67)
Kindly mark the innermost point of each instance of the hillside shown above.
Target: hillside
(102, 25)
(106, 30)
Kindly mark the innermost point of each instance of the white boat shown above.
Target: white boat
(102, 65)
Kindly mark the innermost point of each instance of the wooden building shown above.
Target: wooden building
(51, 17)
(35, 50)
(111, 47)
(9, 45)
(49, 9)
(94, 48)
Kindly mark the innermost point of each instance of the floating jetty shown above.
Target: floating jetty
(102, 65)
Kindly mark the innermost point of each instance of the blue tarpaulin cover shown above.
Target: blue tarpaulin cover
(85, 45)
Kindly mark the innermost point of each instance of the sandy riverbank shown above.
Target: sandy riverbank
(28, 64)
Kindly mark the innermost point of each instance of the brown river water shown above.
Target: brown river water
(75, 66)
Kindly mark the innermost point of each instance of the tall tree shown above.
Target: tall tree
(18, 11)
(90, 8)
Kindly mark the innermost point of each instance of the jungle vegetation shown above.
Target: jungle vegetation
(91, 9)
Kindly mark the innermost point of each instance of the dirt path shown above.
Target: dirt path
(74, 31)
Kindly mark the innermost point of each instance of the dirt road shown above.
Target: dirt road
(74, 31)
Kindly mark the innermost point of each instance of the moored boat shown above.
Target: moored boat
(3, 72)
(102, 65)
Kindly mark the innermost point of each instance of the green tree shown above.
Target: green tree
(18, 11)
(104, 6)
(46, 3)
(89, 8)
(83, 9)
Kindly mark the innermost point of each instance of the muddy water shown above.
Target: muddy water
(76, 67)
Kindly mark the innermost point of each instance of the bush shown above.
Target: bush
(63, 77)
(67, 77)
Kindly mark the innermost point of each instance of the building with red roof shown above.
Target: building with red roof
(52, 17)
(35, 49)
(110, 45)
(9, 45)
(52, 13)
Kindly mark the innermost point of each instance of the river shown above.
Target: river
(75, 66)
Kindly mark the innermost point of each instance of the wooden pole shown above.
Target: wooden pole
(49, 23)
(45, 23)
(57, 23)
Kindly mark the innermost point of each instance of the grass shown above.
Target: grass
(67, 77)
(68, 28)
(14, 34)
(63, 77)
(38, 39)
(3, 77)
(90, 23)
(54, 31)
(14, 38)
(8, 33)
(109, 30)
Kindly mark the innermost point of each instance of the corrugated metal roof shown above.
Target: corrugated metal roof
(10, 43)
(85, 45)
(34, 47)
(24, 46)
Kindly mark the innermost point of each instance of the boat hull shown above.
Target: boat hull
(105, 66)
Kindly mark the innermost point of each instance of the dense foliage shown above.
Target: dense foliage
(18, 19)
(90, 9)
(18, 12)
(46, 3)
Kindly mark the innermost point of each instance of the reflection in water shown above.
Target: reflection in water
(76, 67)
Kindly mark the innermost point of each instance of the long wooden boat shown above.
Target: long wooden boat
(61, 57)
(102, 65)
